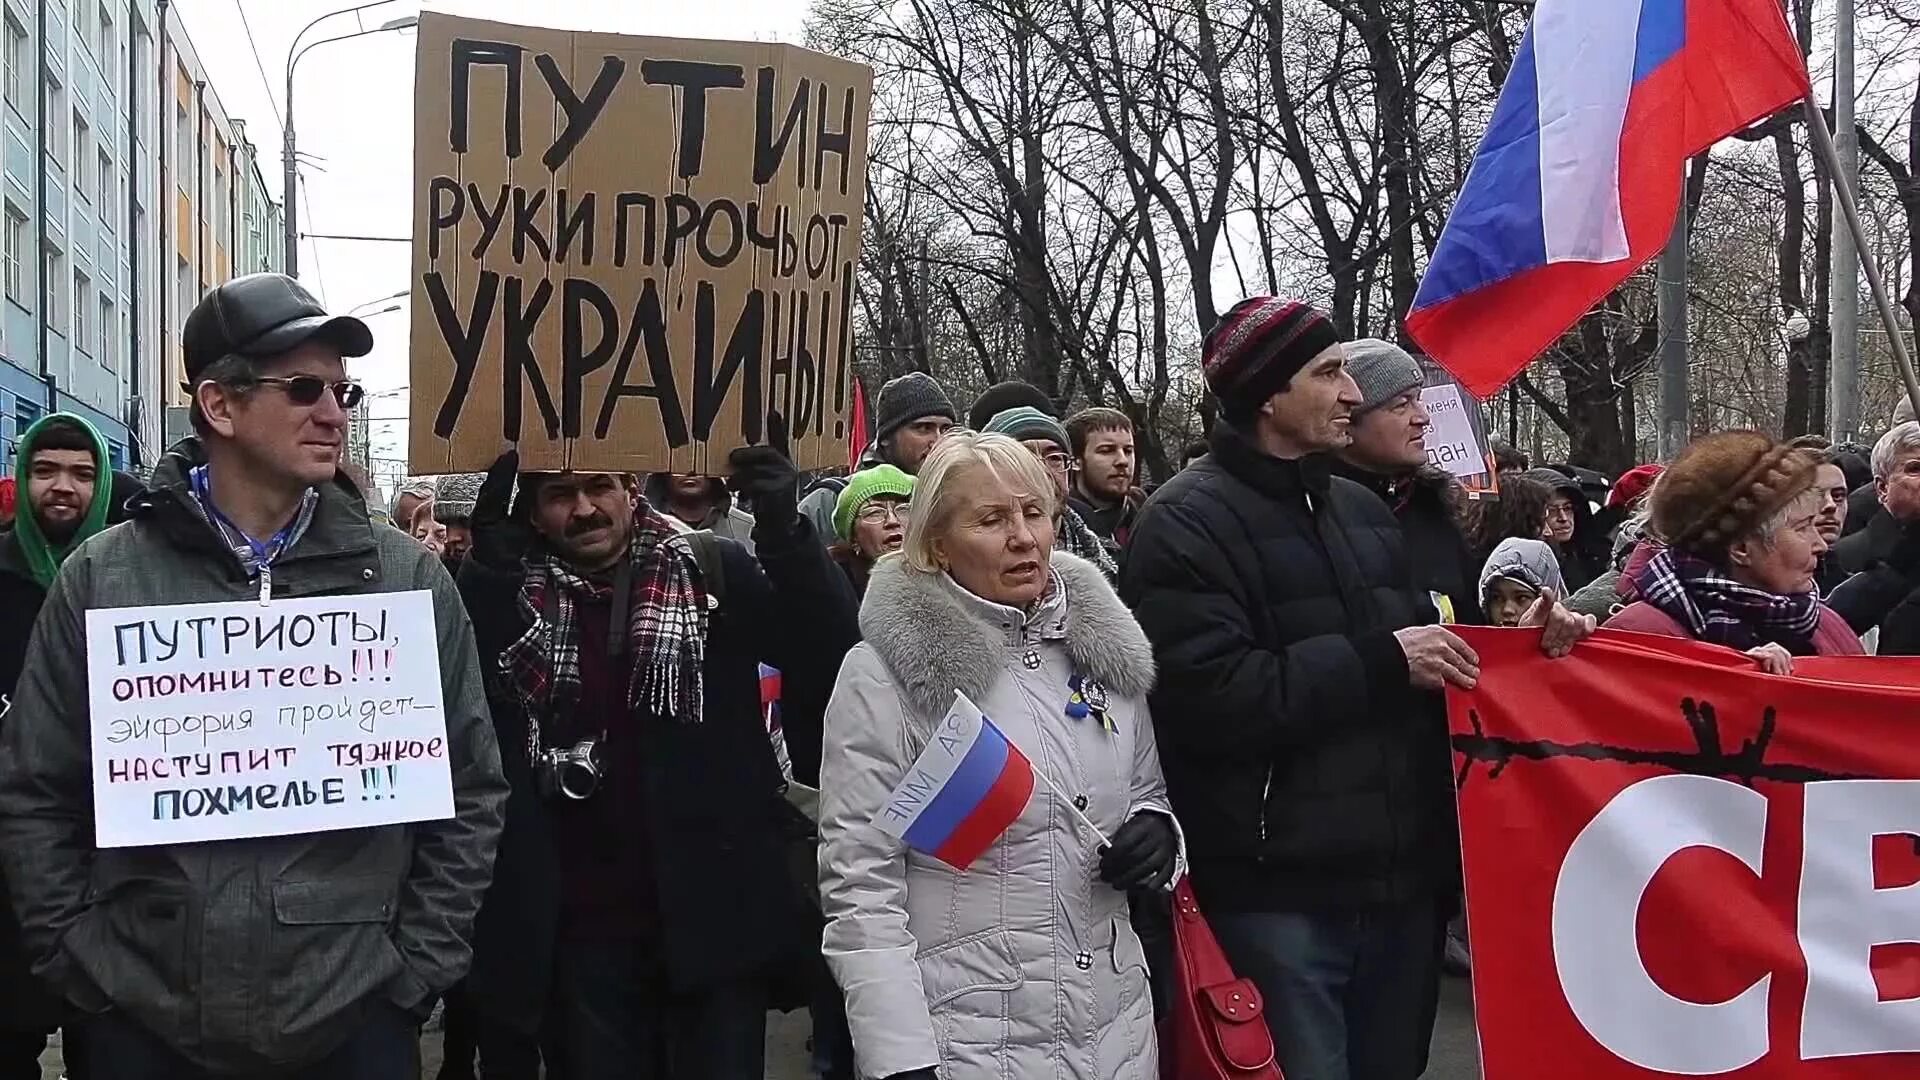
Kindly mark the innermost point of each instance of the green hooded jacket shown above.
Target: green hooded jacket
(43, 557)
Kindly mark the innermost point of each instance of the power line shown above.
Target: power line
(306, 205)
(258, 66)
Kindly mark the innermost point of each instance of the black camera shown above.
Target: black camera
(573, 771)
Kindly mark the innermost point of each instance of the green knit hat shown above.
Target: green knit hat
(861, 488)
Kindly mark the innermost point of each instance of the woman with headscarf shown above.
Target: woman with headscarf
(1739, 512)
(1023, 965)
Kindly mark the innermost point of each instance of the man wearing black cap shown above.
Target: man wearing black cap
(911, 416)
(1302, 736)
(306, 955)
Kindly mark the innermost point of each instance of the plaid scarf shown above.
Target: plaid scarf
(1076, 537)
(1717, 609)
(666, 628)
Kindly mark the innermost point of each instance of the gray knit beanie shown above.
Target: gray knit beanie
(1383, 370)
(910, 397)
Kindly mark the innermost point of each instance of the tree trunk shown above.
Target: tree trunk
(1798, 415)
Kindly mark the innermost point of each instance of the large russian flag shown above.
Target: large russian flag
(964, 790)
(1579, 174)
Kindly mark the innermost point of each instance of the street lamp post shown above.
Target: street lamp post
(289, 176)
(401, 295)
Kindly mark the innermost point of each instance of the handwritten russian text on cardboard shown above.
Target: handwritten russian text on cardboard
(628, 250)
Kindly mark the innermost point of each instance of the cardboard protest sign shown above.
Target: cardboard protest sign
(1679, 866)
(217, 721)
(629, 250)
(1457, 439)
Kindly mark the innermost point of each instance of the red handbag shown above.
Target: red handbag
(1215, 1030)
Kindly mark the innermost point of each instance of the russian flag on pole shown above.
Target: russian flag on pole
(962, 792)
(1579, 174)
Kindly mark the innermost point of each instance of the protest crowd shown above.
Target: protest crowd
(677, 708)
(998, 757)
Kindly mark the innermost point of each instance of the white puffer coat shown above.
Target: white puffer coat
(1024, 965)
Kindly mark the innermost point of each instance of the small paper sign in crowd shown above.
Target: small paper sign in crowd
(219, 721)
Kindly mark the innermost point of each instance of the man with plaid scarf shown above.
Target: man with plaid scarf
(643, 901)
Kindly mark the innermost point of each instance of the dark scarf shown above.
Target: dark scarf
(1717, 609)
(1076, 538)
(666, 627)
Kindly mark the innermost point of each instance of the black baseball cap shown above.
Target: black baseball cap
(263, 315)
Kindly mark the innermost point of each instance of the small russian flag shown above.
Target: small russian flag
(770, 696)
(965, 789)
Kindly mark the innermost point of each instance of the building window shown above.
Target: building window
(57, 132)
(107, 183)
(56, 270)
(109, 351)
(107, 66)
(16, 248)
(82, 312)
(18, 57)
(183, 292)
(82, 143)
(80, 20)
(183, 163)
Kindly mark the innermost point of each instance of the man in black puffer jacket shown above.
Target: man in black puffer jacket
(1303, 740)
(1307, 767)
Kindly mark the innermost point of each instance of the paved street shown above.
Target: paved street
(1454, 1055)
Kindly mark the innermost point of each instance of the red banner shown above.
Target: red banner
(1677, 866)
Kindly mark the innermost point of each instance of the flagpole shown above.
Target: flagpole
(1850, 211)
(1843, 379)
(1071, 805)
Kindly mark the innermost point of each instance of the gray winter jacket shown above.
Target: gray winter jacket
(1024, 965)
(242, 955)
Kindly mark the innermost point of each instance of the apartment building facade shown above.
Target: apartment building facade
(126, 190)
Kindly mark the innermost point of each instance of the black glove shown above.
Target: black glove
(766, 478)
(499, 541)
(1142, 854)
(916, 1074)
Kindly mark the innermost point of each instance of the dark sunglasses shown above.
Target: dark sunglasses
(306, 389)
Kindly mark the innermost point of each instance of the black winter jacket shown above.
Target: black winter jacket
(1585, 557)
(716, 821)
(1305, 770)
(26, 1004)
(1885, 592)
(1425, 505)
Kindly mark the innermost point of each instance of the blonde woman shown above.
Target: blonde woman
(1022, 964)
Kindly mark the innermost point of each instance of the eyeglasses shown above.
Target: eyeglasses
(876, 512)
(1057, 462)
(306, 389)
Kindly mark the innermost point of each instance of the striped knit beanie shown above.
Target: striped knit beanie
(1257, 347)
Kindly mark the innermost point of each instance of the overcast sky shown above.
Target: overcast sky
(353, 114)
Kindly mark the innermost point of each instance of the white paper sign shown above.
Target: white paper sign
(217, 721)
(1451, 444)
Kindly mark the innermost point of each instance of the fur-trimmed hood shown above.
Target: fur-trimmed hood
(934, 644)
